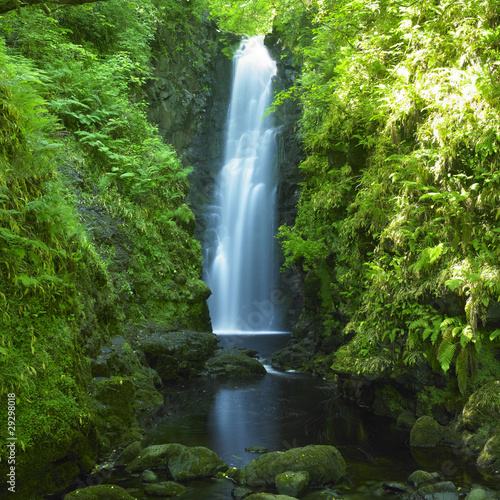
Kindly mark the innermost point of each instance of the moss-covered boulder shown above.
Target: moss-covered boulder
(107, 491)
(292, 483)
(421, 478)
(128, 454)
(489, 458)
(483, 407)
(269, 496)
(176, 355)
(324, 464)
(234, 364)
(295, 355)
(165, 489)
(426, 433)
(445, 490)
(183, 462)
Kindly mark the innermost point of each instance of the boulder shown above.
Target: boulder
(489, 458)
(107, 491)
(241, 493)
(269, 496)
(184, 462)
(292, 483)
(445, 490)
(476, 494)
(129, 453)
(231, 363)
(426, 433)
(165, 489)
(176, 355)
(148, 476)
(421, 478)
(323, 463)
(295, 355)
(482, 407)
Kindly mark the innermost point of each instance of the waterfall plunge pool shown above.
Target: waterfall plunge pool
(282, 410)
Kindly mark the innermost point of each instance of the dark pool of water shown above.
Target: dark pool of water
(283, 410)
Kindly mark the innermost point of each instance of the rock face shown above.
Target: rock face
(183, 462)
(483, 407)
(324, 464)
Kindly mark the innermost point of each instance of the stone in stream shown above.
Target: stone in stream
(445, 490)
(292, 483)
(107, 491)
(269, 496)
(165, 489)
(241, 493)
(184, 462)
(148, 476)
(258, 450)
(421, 478)
(128, 454)
(323, 463)
(231, 363)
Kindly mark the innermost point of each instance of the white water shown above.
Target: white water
(240, 244)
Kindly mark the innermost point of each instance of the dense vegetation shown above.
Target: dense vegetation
(398, 216)
(95, 235)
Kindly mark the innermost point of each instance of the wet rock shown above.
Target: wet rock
(426, 433)
(421, 478)
(165, 489)
(269, 496)
(240, 493)
(256, 449)
(323, 463)
(128, 454)
(394, 488)
(292, 483)
(445, 490)
(184, 463)
(107, 491)
(476, 494)
(295, 355)
(148, 476)
(406, 420)
(231, 363)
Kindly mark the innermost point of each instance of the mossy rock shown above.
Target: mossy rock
(129, 453)
(421, 478)
(324, 464)
(184, 462)
(489, 458)
(165, 489)
(426, 433)
(107, 491)
(292, 483)
(445, 490)
(483, 407)
(234, 365)
(269, 496)
(176, 355)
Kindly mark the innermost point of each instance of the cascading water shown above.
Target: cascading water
(240, 245)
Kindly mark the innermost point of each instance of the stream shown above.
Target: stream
(282, 410)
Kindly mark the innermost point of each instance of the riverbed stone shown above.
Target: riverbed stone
(107, 491)
(241, 493)
(292, 483)
(269, 496)
(426, 433)
(258, 450)
(232, 363)
(184, 462)
(444, 490)
(324, 464)
(421, 478)
(476, 494)
(165, 489)
(148, 476)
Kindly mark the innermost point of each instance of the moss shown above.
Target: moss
(108, 491)
(483, 407)
(426, 433)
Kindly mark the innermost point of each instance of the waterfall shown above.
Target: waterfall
(239, 253)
